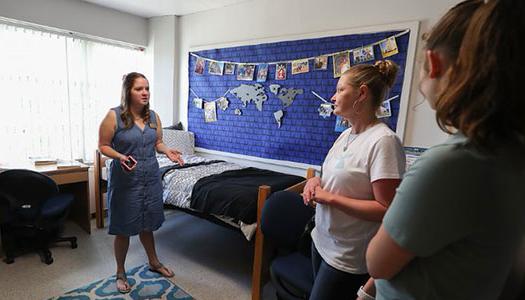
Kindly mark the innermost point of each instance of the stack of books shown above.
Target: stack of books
(68, 164)
(60, 164)
(43, 161)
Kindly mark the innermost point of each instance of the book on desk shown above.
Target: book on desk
(68, 165)
(43, 161)
(60, 164)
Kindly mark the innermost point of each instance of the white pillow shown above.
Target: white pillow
(184, 141)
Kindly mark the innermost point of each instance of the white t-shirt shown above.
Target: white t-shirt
(353, 163)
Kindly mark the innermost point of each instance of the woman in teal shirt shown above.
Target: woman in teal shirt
(457, 219)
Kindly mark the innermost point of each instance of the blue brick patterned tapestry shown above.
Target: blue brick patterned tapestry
(304, 136)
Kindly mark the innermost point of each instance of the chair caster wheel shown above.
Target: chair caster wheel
(46, 257)
(9, 260)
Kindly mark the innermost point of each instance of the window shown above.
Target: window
(55, 90)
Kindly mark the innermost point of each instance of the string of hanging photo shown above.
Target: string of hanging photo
(340, 62)
(256, 93)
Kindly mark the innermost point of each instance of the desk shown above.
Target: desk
(73, 180)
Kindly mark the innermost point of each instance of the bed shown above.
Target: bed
(222, 192)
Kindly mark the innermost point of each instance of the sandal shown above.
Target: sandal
(123, 278)
(162, 270)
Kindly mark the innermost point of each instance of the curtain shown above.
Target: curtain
(55, 91)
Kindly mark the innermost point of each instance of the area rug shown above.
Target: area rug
(144, 285)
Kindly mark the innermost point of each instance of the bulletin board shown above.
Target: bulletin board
(301, 135)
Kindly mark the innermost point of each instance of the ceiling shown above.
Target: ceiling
(154, 8)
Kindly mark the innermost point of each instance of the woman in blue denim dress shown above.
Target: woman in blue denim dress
(130, 134)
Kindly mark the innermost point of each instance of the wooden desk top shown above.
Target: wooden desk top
(60, 175)
(53, 169)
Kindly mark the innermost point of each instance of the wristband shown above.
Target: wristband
(364, 295)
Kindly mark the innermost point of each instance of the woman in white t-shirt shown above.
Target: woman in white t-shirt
(359, 177)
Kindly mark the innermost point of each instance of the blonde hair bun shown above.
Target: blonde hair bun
(388, 70)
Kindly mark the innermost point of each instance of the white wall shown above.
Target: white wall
(169, 38)
(162, 48)
(274, 18)
(78, 16)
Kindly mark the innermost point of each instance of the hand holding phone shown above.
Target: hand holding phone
(128, 163)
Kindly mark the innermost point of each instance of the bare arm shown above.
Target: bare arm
(370, 210)
(105, 136)
(384, 257)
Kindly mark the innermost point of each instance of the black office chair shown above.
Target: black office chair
(32, 213)
(286, 222)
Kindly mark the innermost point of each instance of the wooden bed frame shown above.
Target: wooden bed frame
(262, 250)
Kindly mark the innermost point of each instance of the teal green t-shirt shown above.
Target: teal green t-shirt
(462, 214)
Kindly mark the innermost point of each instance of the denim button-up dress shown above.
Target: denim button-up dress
(135, 198)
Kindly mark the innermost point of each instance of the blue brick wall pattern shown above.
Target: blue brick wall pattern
(304, 136)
